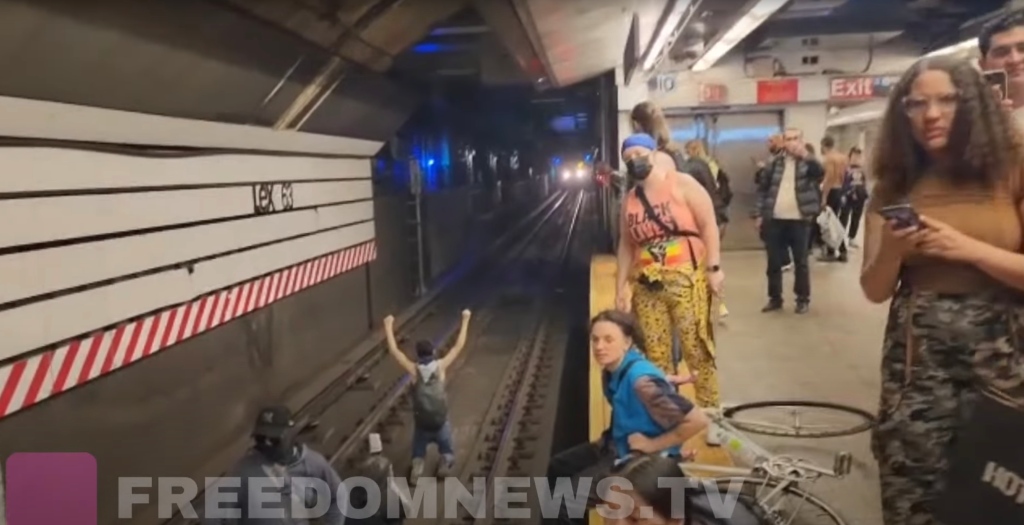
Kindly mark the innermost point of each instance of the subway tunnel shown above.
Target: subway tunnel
(209, 206)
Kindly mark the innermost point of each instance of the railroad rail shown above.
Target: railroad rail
(352, 405)
(509, 444)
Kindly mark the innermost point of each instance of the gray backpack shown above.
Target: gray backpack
(429, 402)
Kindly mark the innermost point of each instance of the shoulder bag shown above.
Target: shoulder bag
(985, 482)
(641, 195)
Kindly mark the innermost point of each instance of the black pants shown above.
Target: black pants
(782, 236)
(837, 203)
(852, 213)
(787, 258)
(587, 460)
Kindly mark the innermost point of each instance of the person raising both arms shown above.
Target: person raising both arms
(431, 423)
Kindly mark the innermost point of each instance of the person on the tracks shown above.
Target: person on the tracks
(379, 469)
(430, 405)
(668, 259)
(648, 414)
(278, 456)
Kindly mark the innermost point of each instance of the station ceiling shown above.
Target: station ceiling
(557, 43)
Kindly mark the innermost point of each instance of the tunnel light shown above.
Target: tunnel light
(750, 21)
(966, 45)
(665, 31)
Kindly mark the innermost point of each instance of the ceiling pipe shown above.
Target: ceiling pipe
(674, 18)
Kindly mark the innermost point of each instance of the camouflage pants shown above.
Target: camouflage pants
(950, 342)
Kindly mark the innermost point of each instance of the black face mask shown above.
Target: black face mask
(280, 451)
(639, 168)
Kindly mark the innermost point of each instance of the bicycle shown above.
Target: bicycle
(770, 479)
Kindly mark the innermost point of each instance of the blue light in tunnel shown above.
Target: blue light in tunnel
(430, 162)
(428, 47)
(434, 47)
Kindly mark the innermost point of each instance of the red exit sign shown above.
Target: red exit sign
(713, 93)
(860, 88)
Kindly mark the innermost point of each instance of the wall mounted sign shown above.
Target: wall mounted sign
(716, 94)
(843, 89)
(778, 91)
(664, 83)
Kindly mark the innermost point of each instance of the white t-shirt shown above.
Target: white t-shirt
(786, 205)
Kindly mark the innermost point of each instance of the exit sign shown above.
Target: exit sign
(713, 93)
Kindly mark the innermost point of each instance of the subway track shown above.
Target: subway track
(504, 396)
(508, 300)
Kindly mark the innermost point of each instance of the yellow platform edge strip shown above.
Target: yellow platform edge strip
(602, 297)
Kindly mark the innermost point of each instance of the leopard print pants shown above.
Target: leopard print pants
(680, 301)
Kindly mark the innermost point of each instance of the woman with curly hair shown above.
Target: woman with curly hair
(954, 276)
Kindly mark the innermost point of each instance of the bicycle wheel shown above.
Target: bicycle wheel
(788, 506)
(856, 420)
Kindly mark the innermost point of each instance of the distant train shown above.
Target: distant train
(575, 170)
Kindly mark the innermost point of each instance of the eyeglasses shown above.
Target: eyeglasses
(917, 106)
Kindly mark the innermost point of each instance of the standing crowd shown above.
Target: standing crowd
(943, 245)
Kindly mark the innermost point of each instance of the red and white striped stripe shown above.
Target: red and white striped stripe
(28, 381)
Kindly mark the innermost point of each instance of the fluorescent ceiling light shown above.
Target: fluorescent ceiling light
(665, 31)
(750, 21)
(966, 45)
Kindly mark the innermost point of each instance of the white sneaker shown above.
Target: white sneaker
(417, 470)
(713, 438)
(446, 467)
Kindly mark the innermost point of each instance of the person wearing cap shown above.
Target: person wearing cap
(278, 456)
(668, 258)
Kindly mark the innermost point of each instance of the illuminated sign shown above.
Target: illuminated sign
(778, 91)
(860, 88)
(713, 93)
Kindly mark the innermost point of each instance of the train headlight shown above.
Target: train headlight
(580, 173)
(566, 175)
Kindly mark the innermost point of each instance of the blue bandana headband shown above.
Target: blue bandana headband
(641, 140)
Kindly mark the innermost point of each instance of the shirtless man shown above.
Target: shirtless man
(835, 164)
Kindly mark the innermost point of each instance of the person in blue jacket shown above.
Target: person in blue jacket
(648, 414)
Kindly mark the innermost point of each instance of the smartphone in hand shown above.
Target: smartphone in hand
(997, 79)
(903, 215)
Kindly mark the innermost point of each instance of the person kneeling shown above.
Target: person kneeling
(648, 414)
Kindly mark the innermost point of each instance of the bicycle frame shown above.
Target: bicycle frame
(764, 464)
